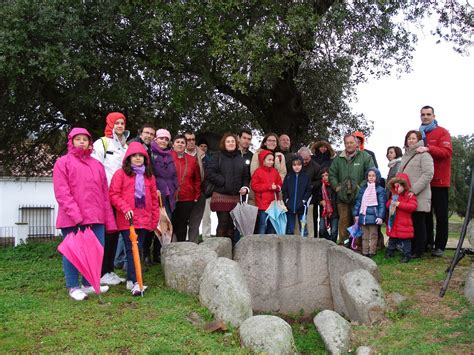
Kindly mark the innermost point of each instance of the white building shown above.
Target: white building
(28, 200)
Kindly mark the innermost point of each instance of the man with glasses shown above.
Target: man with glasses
(198, 208)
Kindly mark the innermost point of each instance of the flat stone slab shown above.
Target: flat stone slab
(342, 260)
(183, 264)
(222, 246)
(286, 274)
(363, 297)
(469, 285)
(267, 334)
(224, 291)
(334, 330)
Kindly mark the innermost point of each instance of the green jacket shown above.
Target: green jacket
(346, 175)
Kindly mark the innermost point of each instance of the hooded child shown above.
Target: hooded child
(296, 193)
(369, 210)
(266, 183)
(80, 187)
(401, 206)
(133, 194)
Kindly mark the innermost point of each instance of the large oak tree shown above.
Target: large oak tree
(283, 66)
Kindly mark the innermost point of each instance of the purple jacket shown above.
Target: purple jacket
(165, 172)
(80, 187)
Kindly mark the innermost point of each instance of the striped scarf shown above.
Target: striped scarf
(369, 198)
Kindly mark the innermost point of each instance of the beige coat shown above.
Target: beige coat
(420, 171)
(280, 163)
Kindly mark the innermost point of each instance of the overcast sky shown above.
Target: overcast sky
(440, 78)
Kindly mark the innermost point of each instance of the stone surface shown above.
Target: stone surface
(342, 260)
(469, 286)
(183, 264)
(267, 334)
(286, 274)
(334, 330)
(222, 246)
(224, 291)
(471, 235)
(363, 297)
(363, 350)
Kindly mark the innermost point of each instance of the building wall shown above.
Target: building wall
(21, 191)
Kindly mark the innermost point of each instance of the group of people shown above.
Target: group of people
(110, 183)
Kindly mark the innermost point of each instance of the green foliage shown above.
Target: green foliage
(461, 170)
(207, 65)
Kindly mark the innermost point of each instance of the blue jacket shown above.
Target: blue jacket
(296, 189)
(373, 212)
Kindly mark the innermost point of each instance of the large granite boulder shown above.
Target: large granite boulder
(183, 264)
(334, 330)
(363, 297)
(224, 291)
(286, 274)
(267, 334)
(222, 246)
(469, 285)
(341, 261)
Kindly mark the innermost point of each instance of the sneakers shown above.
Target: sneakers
(89, 289)
(77, 294)
(129, 285)
(437, 252)
(136, 289)
(111, 279)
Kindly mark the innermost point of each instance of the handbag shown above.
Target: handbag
(223, 203)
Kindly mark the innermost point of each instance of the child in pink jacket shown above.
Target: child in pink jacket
(80, 187)
(133, 194)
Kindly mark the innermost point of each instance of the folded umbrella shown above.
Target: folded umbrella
(136, 255)
(164, 230)
(355, 232)
(392, 212)
(85, 252)
(244, 217)
(304, 218)
(277, 214)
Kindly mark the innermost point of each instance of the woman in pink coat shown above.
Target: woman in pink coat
(80, 187)
(133, 194)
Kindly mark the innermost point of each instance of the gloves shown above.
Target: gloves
(378, 221)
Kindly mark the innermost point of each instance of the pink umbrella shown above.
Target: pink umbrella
(85, 252)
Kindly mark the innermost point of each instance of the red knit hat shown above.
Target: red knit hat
(110, 121)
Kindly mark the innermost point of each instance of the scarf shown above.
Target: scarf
(327, 209)
(139, 185)
(392, 162)
(369, 198)
(427, 128)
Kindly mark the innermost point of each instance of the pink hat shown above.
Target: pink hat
(163, 133)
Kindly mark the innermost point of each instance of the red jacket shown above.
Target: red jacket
(189, 177)
(261, 183)
(403, 224)
(122, 196)
(439, 143)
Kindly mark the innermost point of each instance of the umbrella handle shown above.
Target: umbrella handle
(161, 202)
(131, 221)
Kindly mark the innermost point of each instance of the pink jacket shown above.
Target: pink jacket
(122, 196)
(80, 187)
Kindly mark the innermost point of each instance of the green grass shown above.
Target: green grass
(36, 314)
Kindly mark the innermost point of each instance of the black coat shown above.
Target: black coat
(228, 172)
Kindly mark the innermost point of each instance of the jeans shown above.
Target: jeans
(71, 274)
(264, 226)
(405, 243)
(120, 255)
(291, 219)
(323, 232)
(131, 274)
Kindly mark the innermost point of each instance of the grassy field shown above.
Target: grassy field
(36, 314)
